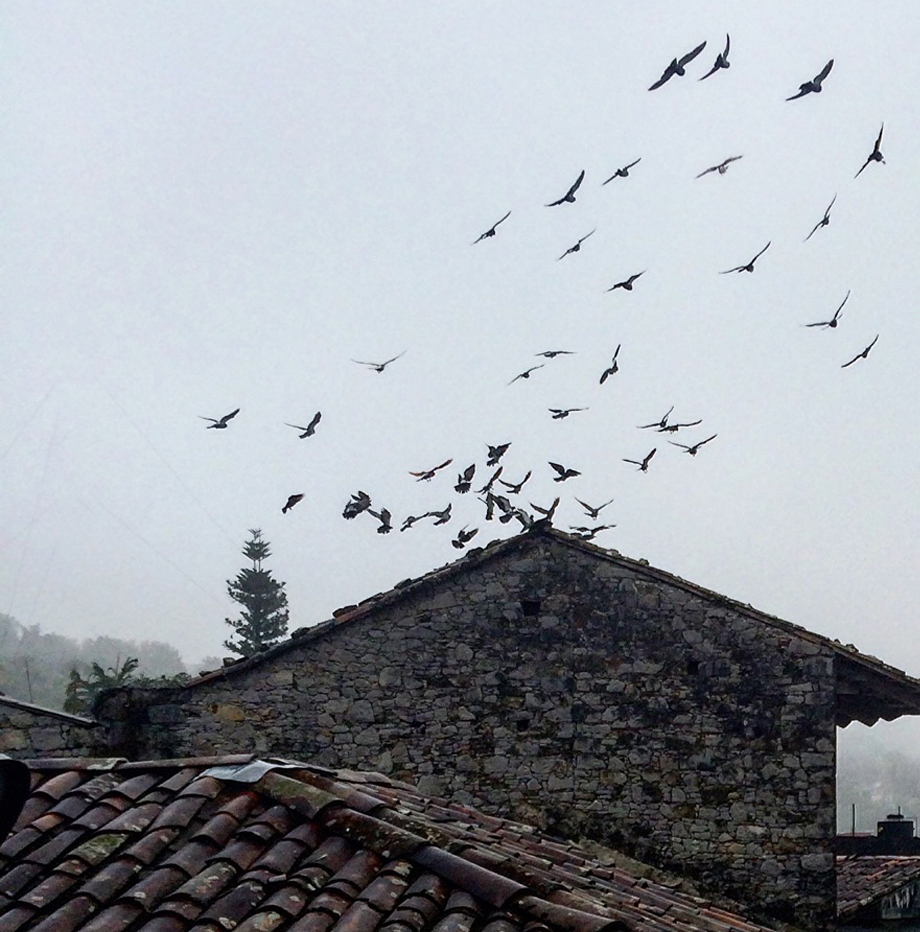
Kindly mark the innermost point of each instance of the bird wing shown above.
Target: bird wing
(737, 268)
(825, 71)
(652, 452)
(616, 352)
(803, 90)
(666, 75)
(866, 351)
(403, 353)
(839, 309)
(706, 171)
(691, 55)
(298, 426)
(626, 168)
(577, 184)
(762, 251)
(587, 235)
(711, 71)
(316, 419)
(728, 45)
(868, 160)
(813, 230)
(559, 469)
(674, 443)
(213, 420)
(829, 206)
(229, 416)
(503, 219)
(878, 142)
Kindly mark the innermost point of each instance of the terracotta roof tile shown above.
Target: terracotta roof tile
(313, 922)
(117, 918)
(12, 920)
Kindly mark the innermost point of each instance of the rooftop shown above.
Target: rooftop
(865, 880)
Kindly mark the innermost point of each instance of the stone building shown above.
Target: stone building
(28, 730)
(568, 686)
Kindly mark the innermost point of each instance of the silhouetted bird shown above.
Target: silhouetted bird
(441, 517)
(553, 353)
(613, 368)
(564, 473)
(359, 502)
(496, 452)
(642, 464)
(589, 533)
(465, 479)
(515, 487)
(627, 283)
(560, 413)
(824, 221)
(677, 66)
(576, 247)
(464, 537)
(876, 154)
(660, 423)
(547, 512)
(624, 171)
(291, 502)
(491, 230)
(379, 366)
(219, 423)
(310, 429)
(722, 167)
(673, 428)
(813, 86)
(569, 196)
(833, 321)
(693, 448)
(590, 510)
(863, 355)
(526, 373)
(488, 486)
(721, 59)
(410, 520)
(383, 516)
(749, 267)
(427, 474)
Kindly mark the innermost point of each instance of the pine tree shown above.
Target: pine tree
(264, 618)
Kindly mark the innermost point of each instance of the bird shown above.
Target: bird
(627, 283)
(624, 171)
(673, 428)
(491, 230)
(360, 501)
(494, 478)
(564, 473)
(410, 520)
(569, 196)
(553, 353)
(593, 511)
(613, 368)
(441, 517)
(547, 512)
(291, 502)
(749, 267)
(465, 479)
(660, 423)
(643, 464)
(219, 423)
(833, 321)
(496, 453)
(310, 429)
(863, 355)
(589, 533)
(677, 66)
(721, 59)
(515, 487)
(428, 474)
(576, 247)
(464, 537)
(489, 502)
(560, 413)
(813, 86)
(876, 154)
(379, 366)
(824, 221)
(722, 167)
(526, 373)
(383, 516)
(693, 448)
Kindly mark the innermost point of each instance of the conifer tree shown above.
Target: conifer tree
(264, 618)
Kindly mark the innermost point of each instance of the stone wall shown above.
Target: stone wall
(580, 693)
(28, 731)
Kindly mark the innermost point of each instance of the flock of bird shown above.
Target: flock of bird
(504, 500)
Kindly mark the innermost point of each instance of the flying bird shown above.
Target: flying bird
(564, 473)
(441, 517)
(491, 230)
(515, 487)
(496, 452)
(383, 516)
(642, 464)
(494, 478)
(410, 520)
(546, 512)
(526, 373)
(576, 247)
(624, 171)
(428, 474)
(291, 502)
(560, 413)
(722, 167)
(693, 448)
(749, 267)
(465, 479)
(613, 368)
(876, 154)
(379, 366)
(721, 59)
(673, 428)
(219, 423)
(310, 429)
(627, 283)
(589, 533)
(593, 511)
(813, 86)
(863, 355)
(824, 221)
(660, 423)
(677, 66)
(569, 196)
(359, 501)
(833, 321)
(553, 353)
(464, 537)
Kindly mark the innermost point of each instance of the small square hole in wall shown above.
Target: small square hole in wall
(693, 667)
(522, 724)
(530, 607)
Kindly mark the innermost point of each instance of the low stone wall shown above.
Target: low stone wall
(28, 731)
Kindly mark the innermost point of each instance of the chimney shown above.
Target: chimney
(896, 833)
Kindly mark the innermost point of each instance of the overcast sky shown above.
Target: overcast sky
(213, 205)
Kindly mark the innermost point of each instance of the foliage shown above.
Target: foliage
(82, 692)
(264, 617)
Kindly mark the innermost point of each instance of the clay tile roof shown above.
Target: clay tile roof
(175, 846)
(865, 880)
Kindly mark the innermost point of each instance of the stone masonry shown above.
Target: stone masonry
(567, 687)
(28, 730)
